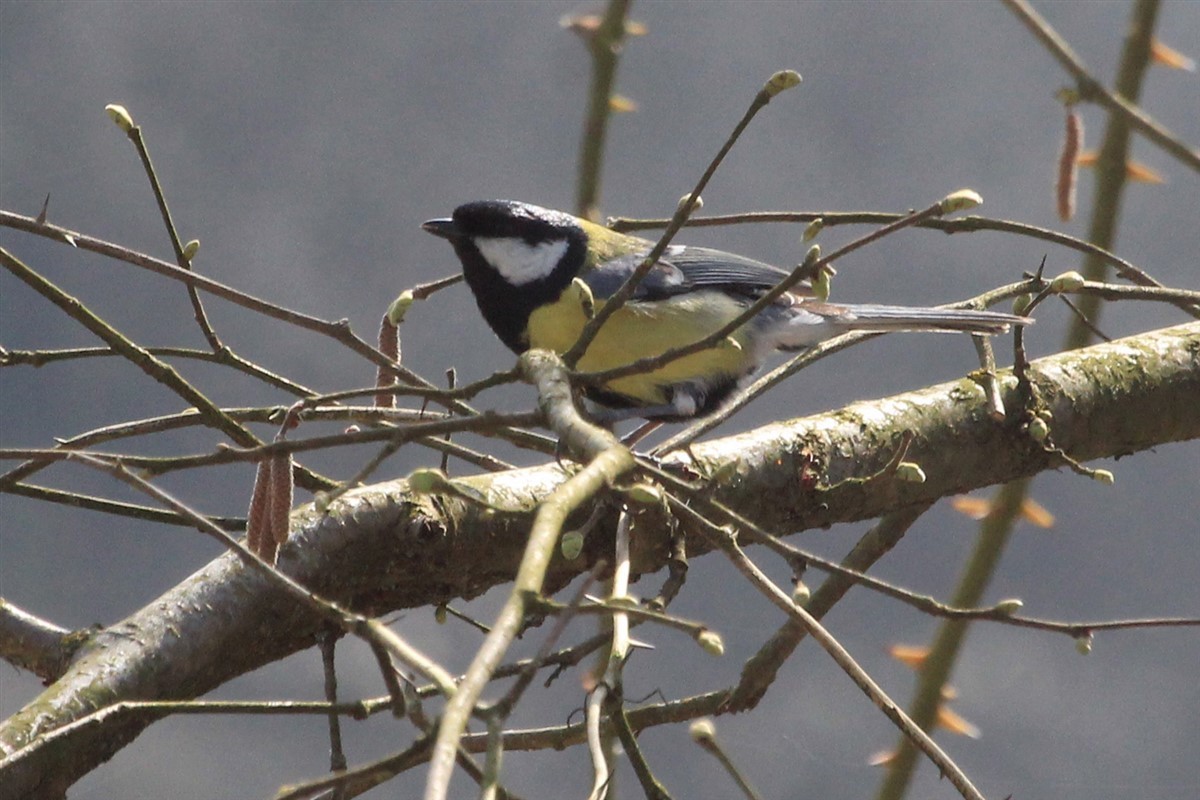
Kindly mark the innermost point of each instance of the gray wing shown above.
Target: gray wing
(685, 269)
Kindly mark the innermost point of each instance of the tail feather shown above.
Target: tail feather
(902, 318)
(808, 323)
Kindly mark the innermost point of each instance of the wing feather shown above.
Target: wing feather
(685, 269)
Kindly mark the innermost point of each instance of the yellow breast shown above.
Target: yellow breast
(642, 330)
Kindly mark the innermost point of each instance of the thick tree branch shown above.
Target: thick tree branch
(380, 548)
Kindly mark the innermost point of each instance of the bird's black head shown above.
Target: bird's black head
(503, 219)
(515, 257)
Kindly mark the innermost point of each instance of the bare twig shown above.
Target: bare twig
(604, 42)
(608, 461)
(1122, 103)
(134, 132)
(911, 730)
(968, 224)
(779, 82)
(158, 370)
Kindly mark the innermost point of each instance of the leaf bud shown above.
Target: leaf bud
(962, 200)
(1067, 282)
(1009, 606)
(121, 116)
(813, 228)
(400, 306)
(702, 730)
(781, 81)
(571, 545)
(711, 643)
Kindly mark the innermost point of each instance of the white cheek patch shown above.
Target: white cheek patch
(519, 262)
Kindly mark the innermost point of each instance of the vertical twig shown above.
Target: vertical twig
(327, 642)
(994, 529)
(604, 43)
(608, 688)
(935, 671)
(1114, 152)
(125, 122)
(608, 462)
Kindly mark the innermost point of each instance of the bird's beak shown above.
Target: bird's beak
(442, 227)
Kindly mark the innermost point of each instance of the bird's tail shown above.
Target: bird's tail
(808, 323)
(902, 318)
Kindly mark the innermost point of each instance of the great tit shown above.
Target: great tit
(521, 262)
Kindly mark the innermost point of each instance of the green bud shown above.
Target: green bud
(571, 545)
(400, 306)
(702, 730)
(1021, 303)
(119, 115)
(684, 200)
(1067, 282)
(191, 248)
(782, 81)
(1038, 429)
(1068, 96)
(822, 283)
(910, 472)
(801, 593)
(725, 473)
(730, 343)
(821, 287)
(1104, 476)
(813, 229)
(645, 494)
(1009, 606)
(711, 642)
(439, 614)
(962, 200)
(426, 480)
(1083, 644)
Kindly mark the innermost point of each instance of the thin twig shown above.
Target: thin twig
(327, 642)
(911, 730)
(604, 43)
(1093, 90)
(778, 82)
(823, 350)
(337, 330)
(134, 132)
(505, 705)
(225, 357)
(158, 370)
(371, 631)
(608, 461)
(968, 224)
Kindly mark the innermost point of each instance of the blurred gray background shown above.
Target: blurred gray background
(304, 143)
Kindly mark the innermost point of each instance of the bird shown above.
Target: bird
(538, 275)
